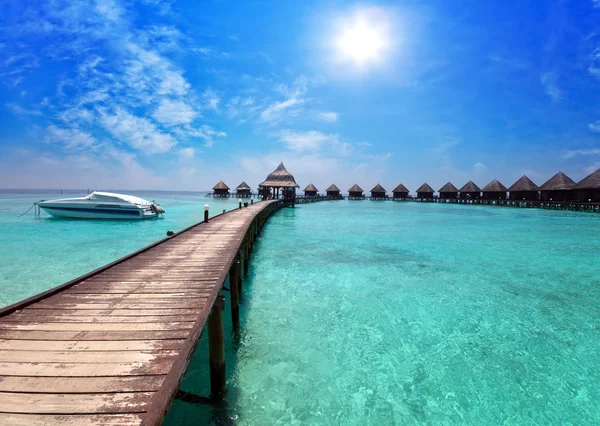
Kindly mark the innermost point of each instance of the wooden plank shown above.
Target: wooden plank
(62, 369)
(93, 335)
(130, 402)
(85, 357)
(70, 420)
(155, 311)
(33, 317)
(74, 345)
(80, 384)
(162, 297)
(64, 326)
(184, 304)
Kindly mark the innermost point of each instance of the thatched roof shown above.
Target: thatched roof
(558, 182)
(591, 181)
(311, 187)
(333, 188)
(280, 178)
(470, 187)
(448, 188)
(243, 185)
(378, 188)
(400, 188)
(355, 188)
(425, 188)
(524, 184)
(495, 186)
(220, 185)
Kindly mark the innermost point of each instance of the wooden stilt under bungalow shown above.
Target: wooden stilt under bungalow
(558, 188)
(355, 192)
(448, 192)
(220, 190)
(243, 190)
(281, 179)
(333, 191)
(311, 191)
(494, 191)
(524, 189)
(378, 193)
(425, 191)
(588, 189)
(400, 192)
(470, 191)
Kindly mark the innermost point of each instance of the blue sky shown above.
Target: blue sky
(177, 95)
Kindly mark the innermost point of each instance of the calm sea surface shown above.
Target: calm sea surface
(360, 312)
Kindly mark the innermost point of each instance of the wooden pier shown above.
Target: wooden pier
(111, 347)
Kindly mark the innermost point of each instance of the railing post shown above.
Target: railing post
(216, 349)
(206, 209)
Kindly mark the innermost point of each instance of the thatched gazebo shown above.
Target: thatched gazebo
(378, 192)
(558, 188)
(355, 192)
(470, 191)
(425, 191)
(589, 188)
(448, 192)
(333, 191)
(311, 191)
(243, 190)
(280, 178)
(400, 192)
(494, 191)
(524, 189)
(220, 190)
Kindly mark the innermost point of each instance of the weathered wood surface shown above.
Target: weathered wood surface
(111, 348)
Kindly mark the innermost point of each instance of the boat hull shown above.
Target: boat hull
(80, 212)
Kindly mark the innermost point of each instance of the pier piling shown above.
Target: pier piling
(216, 345)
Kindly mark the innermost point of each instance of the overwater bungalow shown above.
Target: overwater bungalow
(378, 193)
(524, 189)
(558, 188)
(311, 191)
(280, 178)
(243, 190)
(400, 192)
(469, 191)
(355, 192)
(494, 191)
(333, 191)
(448, 192)
(425, 191)
(588, 189)
(220, 190)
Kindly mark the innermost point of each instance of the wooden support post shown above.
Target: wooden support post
(238, 272)
(216, 348)
(234, 294)
(246, 260)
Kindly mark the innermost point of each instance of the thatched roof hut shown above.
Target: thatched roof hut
(524, 189)
(425, 191)
(333, 191)
(558, 188)
(221, 189)
(400, 191)
(280, 178)
(470, 191)
(311, 190)
(378, 192)
(448, 191)
(589, 188)
(243, 190)
(355, 192)
(494, 191)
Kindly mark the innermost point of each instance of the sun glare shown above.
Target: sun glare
(363, 39)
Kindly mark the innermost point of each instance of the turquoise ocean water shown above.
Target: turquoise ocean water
(360, 312)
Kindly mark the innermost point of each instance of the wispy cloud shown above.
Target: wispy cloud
(479, 169)
(581, 153)
(595, 127)
(174, 112)
(71, 139)
(328, 116)
(19, 110)
(307, 141)
(295, 98)
(549, 80)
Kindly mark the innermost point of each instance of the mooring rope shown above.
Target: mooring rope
(34, 204)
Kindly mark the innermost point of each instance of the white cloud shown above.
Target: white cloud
(71, 139)
(295, 97)
(204, 132)
(328, 116)
(581, 153)
(306, 141)
(19, 110)
(211, 99)
(479, 169)
(595, 127)
(273, 111)
(139, 133)
(174, 112)
(187, 152)
(549, 80)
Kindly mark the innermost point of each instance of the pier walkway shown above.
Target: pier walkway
(111, 347)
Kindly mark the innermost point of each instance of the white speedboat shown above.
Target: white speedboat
(102, 205)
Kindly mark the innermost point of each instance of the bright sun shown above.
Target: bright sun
(362, 40)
